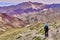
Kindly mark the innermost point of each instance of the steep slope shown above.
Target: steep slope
(8, 22)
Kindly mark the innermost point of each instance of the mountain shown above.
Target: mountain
(26, 7)
(25, 21)
(7, 22)
(26, 13)
(21, 8)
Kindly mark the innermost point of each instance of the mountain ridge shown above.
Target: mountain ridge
(22, 7)
(29, 13)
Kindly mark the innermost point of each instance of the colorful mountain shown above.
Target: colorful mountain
(28, 13)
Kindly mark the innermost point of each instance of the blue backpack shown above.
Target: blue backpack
(46, 25)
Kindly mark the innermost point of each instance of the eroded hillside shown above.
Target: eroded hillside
(33, 32)
(26, 20)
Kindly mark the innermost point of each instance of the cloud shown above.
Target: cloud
(43, 1)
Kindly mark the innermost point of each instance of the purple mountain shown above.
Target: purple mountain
(27, 7)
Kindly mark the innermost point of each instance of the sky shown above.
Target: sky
(7, 4)
(14, 2)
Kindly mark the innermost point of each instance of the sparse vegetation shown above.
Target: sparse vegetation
(36, 38)
(27, 33)
(13, 34)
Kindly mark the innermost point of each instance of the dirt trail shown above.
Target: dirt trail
(50, 35)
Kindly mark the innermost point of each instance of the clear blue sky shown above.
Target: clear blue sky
(14, 2)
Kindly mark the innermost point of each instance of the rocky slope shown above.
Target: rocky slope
(28, 13)
(33, 11)
(7, 22)
(33, 32)
(25, 21)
